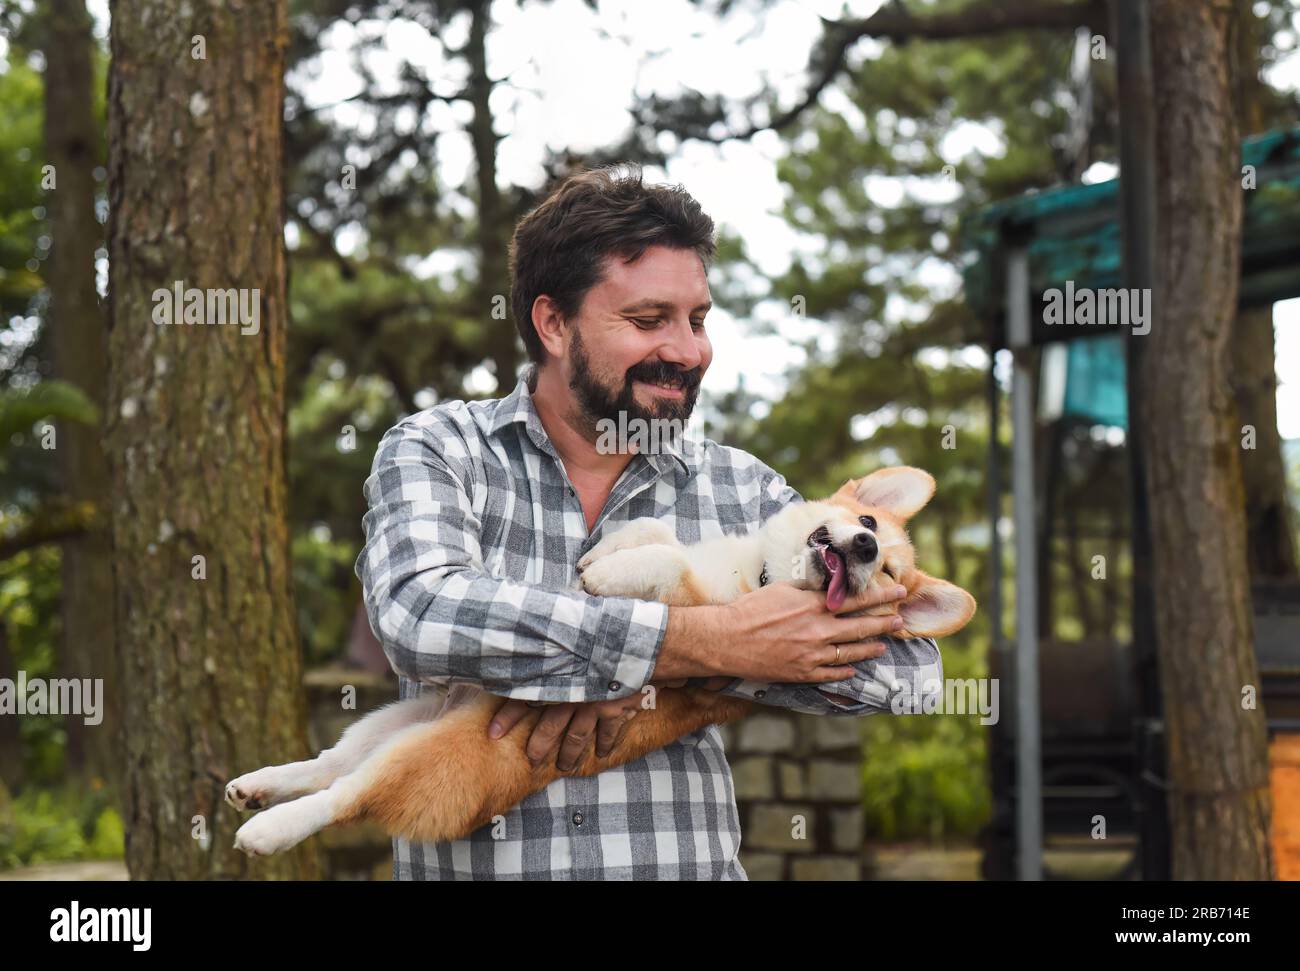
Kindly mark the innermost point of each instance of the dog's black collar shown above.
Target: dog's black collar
(762, 577)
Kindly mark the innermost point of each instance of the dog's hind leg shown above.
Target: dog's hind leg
(280, 783)
(423, 771)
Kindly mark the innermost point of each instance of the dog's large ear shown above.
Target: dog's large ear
(902, 490)
(936, 608)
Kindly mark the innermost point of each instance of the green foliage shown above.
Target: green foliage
(48, 400)
(322, 566)
(334, 429)
(58, 824)
(21, 118)
(29, 613)
(925, 776)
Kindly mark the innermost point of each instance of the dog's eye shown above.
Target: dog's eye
(868, 521)
(888, 572)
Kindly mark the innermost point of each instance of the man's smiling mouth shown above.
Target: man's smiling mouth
(674, 388)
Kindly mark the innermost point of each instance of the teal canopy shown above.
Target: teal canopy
(1095, 387)
(1073, 234)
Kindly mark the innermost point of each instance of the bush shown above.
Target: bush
(926, 777)
(55, 825)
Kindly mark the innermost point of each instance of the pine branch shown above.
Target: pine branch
(56, 520)
(892, 22)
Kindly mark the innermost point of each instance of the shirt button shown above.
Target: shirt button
(615, 686)
(577, 819)
(760, 693)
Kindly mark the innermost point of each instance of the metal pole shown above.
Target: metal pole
(995, 514)
(1029, 803)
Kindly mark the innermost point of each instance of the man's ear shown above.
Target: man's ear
(902, 490)
(549, 324)
(936, 608)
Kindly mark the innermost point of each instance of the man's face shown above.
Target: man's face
(638, 343)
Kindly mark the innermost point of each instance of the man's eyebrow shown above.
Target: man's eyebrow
(641, 305)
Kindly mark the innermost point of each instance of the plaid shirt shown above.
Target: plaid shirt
(472, 537)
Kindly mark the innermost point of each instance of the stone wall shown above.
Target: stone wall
(799, 790)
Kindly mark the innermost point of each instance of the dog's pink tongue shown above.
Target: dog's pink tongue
(835, 591)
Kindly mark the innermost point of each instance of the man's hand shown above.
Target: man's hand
(777, 633)
(571, 725)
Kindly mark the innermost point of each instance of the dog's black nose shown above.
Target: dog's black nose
(864, 545)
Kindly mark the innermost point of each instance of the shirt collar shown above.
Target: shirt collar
(517, 408)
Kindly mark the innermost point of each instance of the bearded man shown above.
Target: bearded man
(479, 512)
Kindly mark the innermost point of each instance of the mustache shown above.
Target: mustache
(661, 372)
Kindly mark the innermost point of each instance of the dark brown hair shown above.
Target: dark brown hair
(559, 248)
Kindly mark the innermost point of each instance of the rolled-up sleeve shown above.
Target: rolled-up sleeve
(442, 618)
(899, 681)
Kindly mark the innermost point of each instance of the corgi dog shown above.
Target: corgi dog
(428, 771)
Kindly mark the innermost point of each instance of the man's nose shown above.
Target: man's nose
(682, 346)
(864, 545)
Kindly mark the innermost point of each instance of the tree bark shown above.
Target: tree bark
(212, 666)
(493, 228)
(1218, 761)
(80, 348)
(1270, 540)
(1270, 536)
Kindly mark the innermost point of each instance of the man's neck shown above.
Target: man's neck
(574, 442)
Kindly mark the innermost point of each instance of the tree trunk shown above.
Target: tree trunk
(12, 769)
(493, 229)
(1270, 539)
(1218, 760)
(212, 664)
(80, 346)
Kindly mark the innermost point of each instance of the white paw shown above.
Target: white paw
(273, 831)
(254, 790)
(651, 572)
(639, 532)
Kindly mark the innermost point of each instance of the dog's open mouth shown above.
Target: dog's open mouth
(833, 565)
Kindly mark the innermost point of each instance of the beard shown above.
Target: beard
(597, 403)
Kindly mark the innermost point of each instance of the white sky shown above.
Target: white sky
(572, 78)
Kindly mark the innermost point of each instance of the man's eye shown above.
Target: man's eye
(868, 521)
(646, 322)
(697, 324)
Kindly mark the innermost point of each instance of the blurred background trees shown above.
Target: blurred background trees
(397, 285)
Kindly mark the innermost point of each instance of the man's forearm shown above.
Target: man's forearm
(686, 650)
